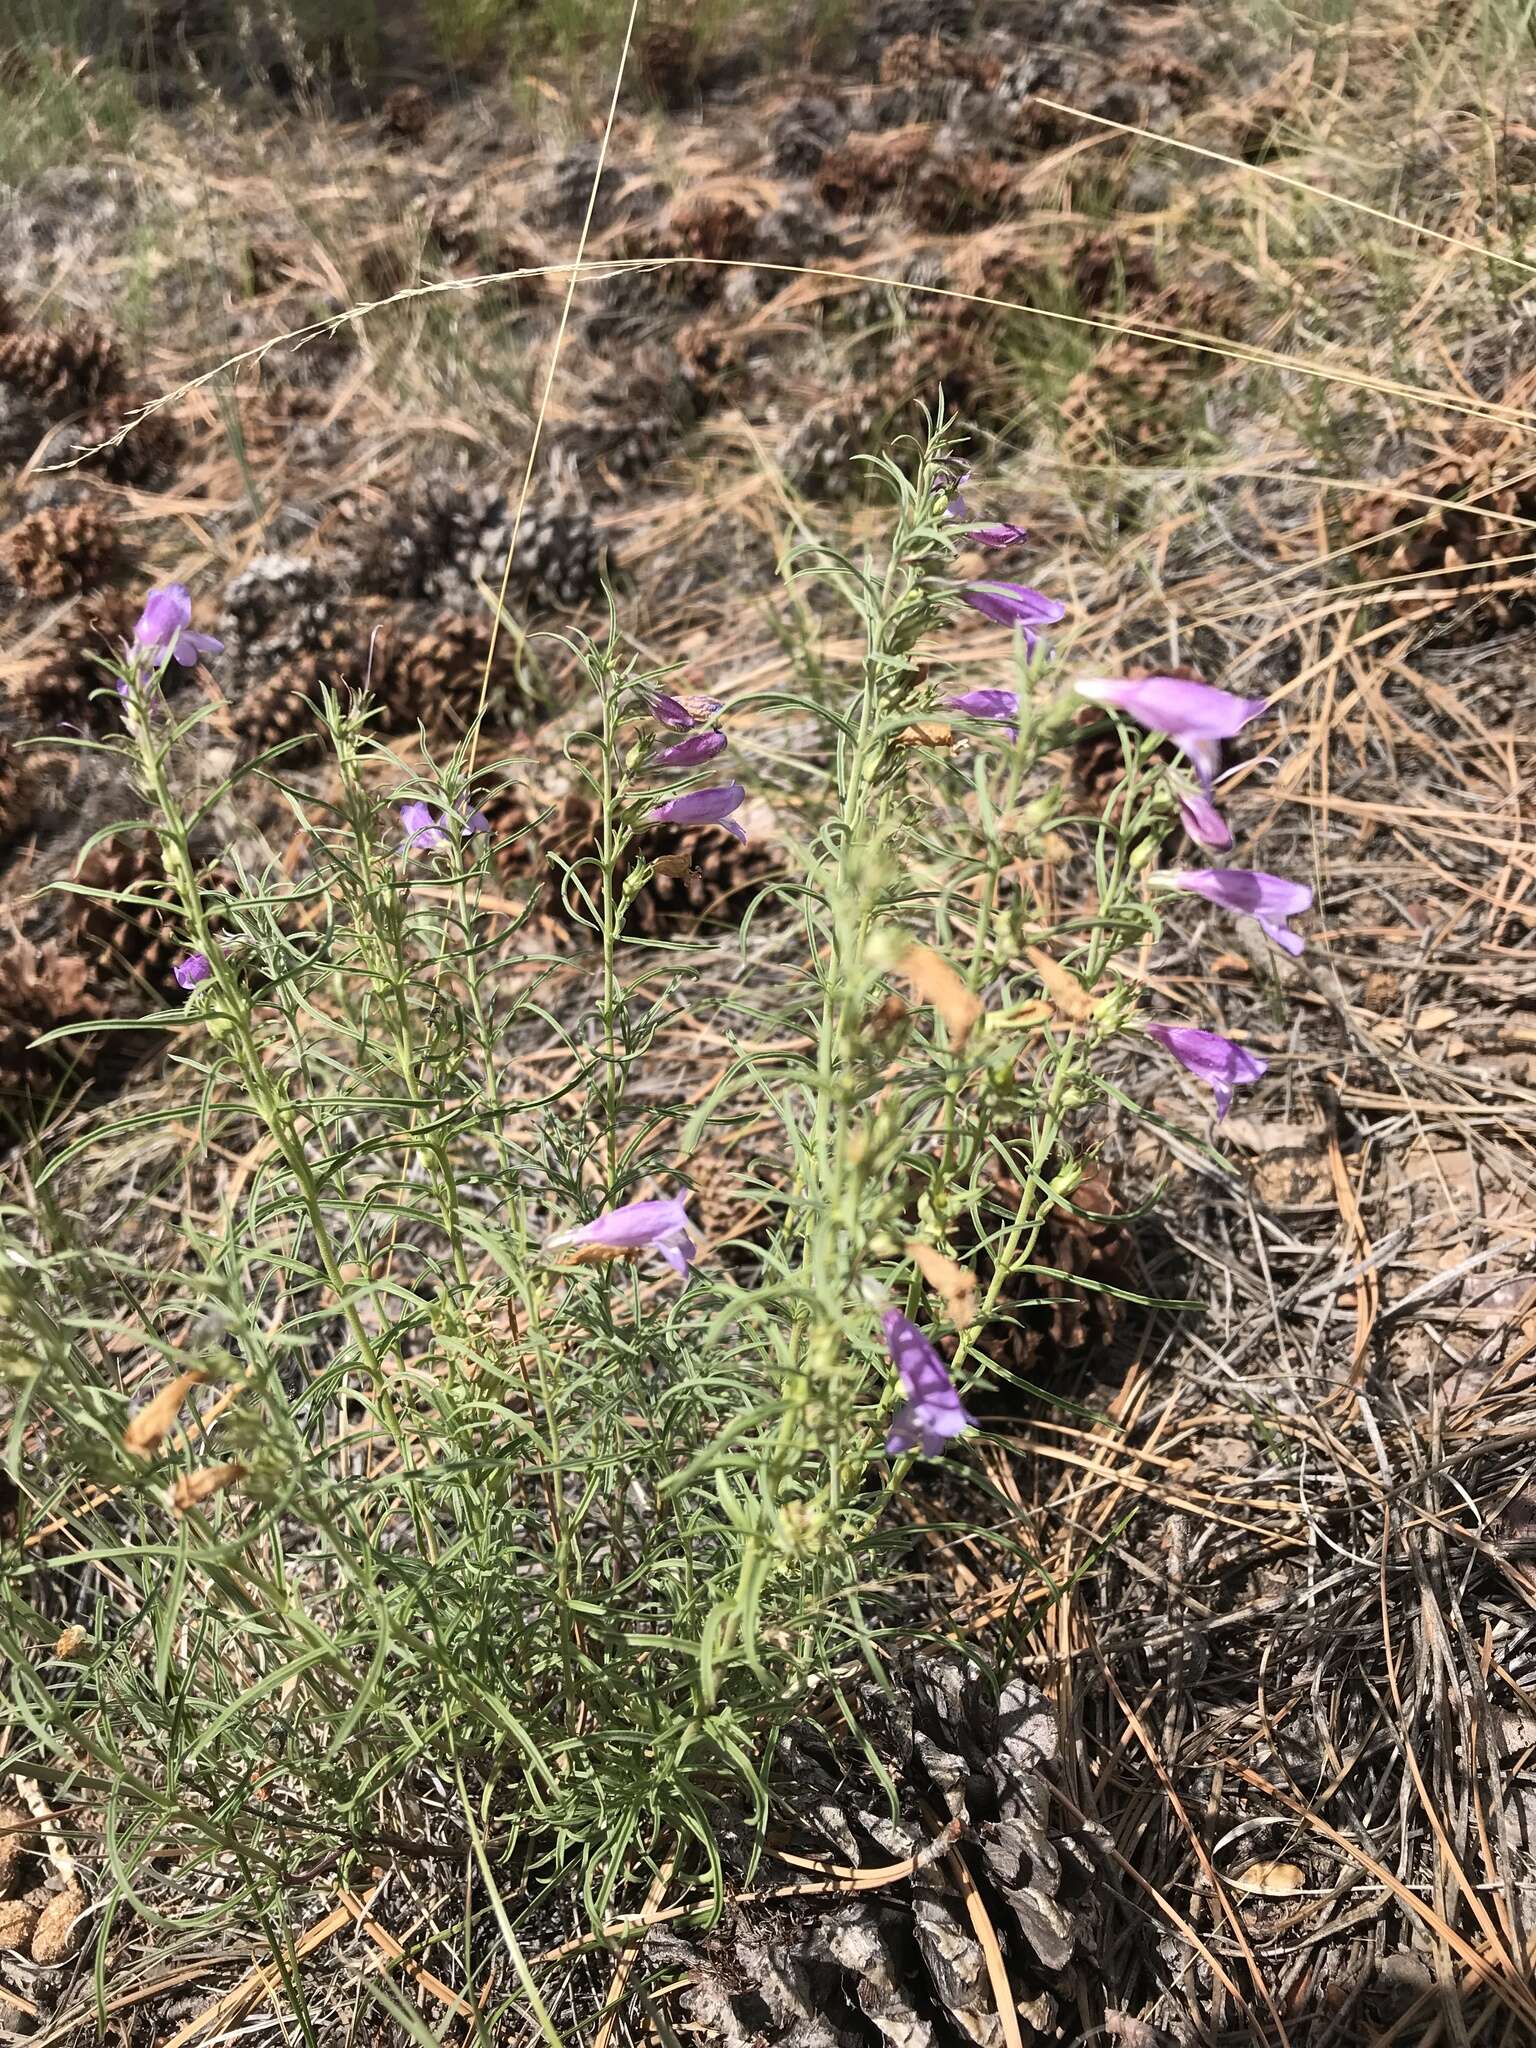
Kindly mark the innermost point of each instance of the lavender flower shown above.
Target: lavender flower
(164, 633)
(1015, 604)
(704, 807)
(932, 1412)
(950, 483)
(1269, 899)
(1002, 705)
(1202, 821)
(1211, 1058)
(986, 703)
(692, 752)
(999, 535)
(426, 834)
(195, 968)
(683, 713)
(660, 1226)
(1195, 716)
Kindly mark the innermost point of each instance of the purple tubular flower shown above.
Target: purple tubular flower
(704, 807)
(683, 713)
(986, 703)
(1210, 1058)
(195, 968)
(164, 633)
(1195, 716)
(1202, 821)
(1001, 535)
(1270, 899)
(1015, 604)
(932, 1412)
(661, 1226)
(423, 834)
(426, 834)
(692, 752)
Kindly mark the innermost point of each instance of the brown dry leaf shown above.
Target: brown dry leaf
(148, 1427)
(886, 1017)
(955, 1285)
(1063, 987)
(193, 1487)
(1270, 1880)
(1435, 1018)
(937, 982)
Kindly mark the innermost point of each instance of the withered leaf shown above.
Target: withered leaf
(194, 1487)
(147, 1428)
(937, 983)
(955, 1285)
(1072, 1000)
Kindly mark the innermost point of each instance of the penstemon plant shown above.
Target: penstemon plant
(432, 1477)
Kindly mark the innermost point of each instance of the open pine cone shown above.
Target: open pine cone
(54, 689)
(1060, 1301)
(147, 458)
(855, 177)
(132, 934)
(65, 370)
(1455, 563)
(668, 56)
(60, 550)
(42, 987)
(714, 881)
(903, 1964)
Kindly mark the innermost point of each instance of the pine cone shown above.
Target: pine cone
(36, 786)
(147, 459)
(42, 987)
(713, 225)
(282, 707)
(854, 178)
(1107, 269)
(56, 690)
(1135, 399)
(278, 607)
(948, 20)
(631, 426)
(536, 842)
(903, 1964)
(406, 114)
(802, 132)
(66, 370)
(60, 550)
(435, 678)
(820, 456)
(1045, 1303)
(452, 537)
(669, 56)
(560, 558)
(130, 929)
(1441, 564)
(21, 428)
